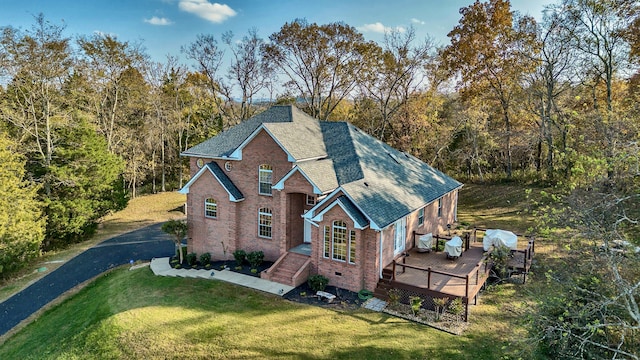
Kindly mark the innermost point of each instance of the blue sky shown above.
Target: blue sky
(163, 26)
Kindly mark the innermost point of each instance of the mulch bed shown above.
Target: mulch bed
(345, 299)
(219, 265)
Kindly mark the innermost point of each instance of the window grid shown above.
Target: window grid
(311, 199)
(264, 183)
(421, 216)
(327, 241)
(339, 241)
(210, 208)
(264, 222)
(352, 247)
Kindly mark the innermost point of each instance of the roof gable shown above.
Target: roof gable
(234, 193)
(359, 219)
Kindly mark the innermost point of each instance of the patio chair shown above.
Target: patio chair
(425, 243)
(453, 248)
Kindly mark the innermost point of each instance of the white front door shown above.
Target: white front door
(400, 235)
(307, 232)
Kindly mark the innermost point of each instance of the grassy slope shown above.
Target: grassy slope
(135, 315)
(132, 314)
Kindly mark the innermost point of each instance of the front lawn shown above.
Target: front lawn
(136, 315)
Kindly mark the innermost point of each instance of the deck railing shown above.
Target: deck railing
(480, 272)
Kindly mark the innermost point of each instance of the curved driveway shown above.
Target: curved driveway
(142, 244)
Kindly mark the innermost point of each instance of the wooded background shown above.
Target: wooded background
(89, 121)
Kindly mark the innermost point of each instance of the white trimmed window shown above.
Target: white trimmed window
(339, 241)
(265, 174)
(440, 207)
(337, 245)
(421, 216)
(210, 208)
(264, 222)
(311, 199)
(352, 247)
(327, 241)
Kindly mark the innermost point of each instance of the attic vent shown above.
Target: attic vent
(394, 157)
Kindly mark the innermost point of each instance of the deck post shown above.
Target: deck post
(429, 277)
(393, 275)
(466, 291)
(466, 310)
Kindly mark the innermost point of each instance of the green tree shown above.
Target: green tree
(87, 184)
(21, 222)
(178, 230)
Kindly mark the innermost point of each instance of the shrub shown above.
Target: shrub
(239, 255)
(394, 297)
(192, 258)
(255, 258)
(440, 304)
(456, 308)
(317, 282)
(500, 257)
(416, 304)
(205, 258)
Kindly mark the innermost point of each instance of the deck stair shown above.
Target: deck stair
(290, 269)
(384, 284)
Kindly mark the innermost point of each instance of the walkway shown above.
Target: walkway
(161, 267)
(142, 244)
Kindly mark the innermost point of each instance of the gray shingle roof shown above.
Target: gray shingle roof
(394, 183)
(321, 172)
(353, 212)
(225, 181)
(223, 144)
(384, 184)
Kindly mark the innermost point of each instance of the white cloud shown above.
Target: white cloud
(417, 21)
(158, 21)
(215, 12)
(378, 27)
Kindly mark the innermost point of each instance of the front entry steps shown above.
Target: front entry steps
(290, 269)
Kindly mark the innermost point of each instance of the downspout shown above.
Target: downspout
(380, 266)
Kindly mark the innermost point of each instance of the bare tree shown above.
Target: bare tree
(321, 62)
(397, 72)
(249, 73)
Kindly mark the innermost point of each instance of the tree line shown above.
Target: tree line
(89, 121)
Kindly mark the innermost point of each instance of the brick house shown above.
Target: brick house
(316, 197)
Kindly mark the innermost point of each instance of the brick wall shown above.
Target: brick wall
(209, 234)
(243, 232)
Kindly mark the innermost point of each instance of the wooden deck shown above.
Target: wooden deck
(432, 275)
(461, 277)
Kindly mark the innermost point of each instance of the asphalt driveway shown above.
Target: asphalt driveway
(142, 244)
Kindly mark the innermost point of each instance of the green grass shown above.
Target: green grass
(136, 315)
(495, 206)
